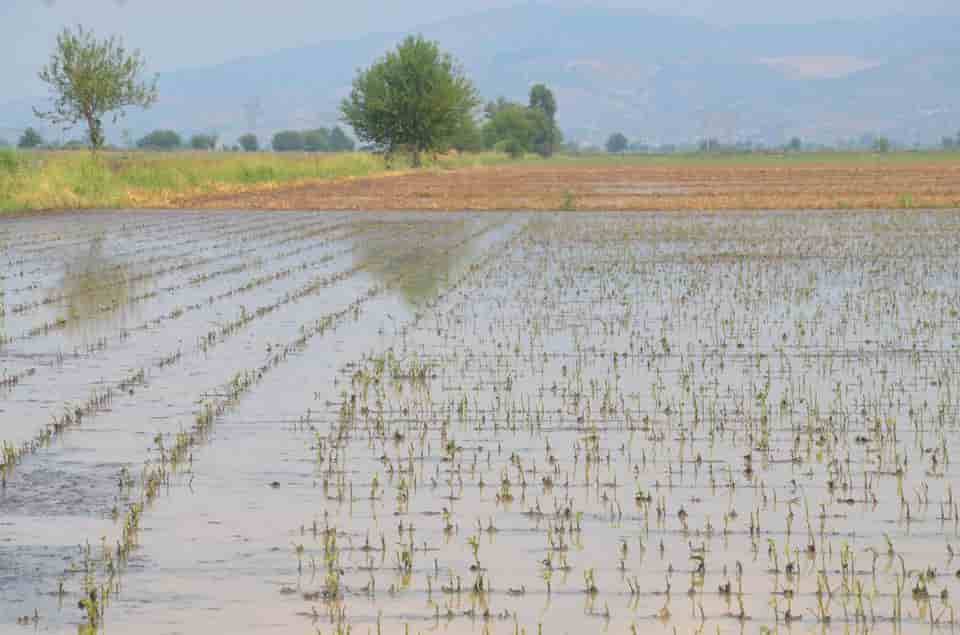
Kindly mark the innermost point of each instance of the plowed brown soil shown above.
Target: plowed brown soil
(631, 187)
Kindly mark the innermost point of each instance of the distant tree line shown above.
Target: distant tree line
(171, 140)
(161, 140)
(713, 145)
(316, 140)
(618, 143)
(951, 143)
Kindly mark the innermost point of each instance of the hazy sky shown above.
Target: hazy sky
(179, 33)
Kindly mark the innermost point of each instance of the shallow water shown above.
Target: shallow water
(599, 402)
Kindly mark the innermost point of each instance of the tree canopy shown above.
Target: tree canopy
(160, 140)
(339, 141)
(512, 127)
(617, 143)
(467, 137)
(516, 129)
(287, 141)
(203, 141)
(249, 142)
(542, 99)
(90, 78)
(881, 144)
(413, 98)
(316, 140)
(30, 139)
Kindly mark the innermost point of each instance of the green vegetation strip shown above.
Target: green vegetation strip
(43, 180)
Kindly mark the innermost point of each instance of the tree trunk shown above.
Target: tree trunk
(95, 132)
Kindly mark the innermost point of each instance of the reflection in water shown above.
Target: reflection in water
(98, 293)
(3, 312)
(419, 256)
(4, 249)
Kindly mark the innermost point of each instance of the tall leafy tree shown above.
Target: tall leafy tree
(91, 78)
(412, 98)
(542, 99)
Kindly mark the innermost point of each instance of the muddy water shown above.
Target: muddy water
(481, 423)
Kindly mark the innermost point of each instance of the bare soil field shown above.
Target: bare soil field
(550, 186)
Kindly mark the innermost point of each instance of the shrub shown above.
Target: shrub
(510, 146)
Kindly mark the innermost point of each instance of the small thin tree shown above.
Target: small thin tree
(91, 78)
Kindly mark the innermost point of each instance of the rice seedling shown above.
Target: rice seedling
(556, 422)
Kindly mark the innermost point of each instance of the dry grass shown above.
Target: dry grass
(71, 180)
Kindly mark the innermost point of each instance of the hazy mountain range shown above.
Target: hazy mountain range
(661, 79)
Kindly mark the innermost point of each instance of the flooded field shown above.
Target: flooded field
(533, 423)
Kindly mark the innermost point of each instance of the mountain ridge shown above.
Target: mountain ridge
(659, 78)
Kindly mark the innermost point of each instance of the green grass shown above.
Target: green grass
(76, 179)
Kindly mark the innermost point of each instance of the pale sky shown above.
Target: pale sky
(175, 34)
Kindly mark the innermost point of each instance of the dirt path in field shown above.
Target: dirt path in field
(629, 187)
